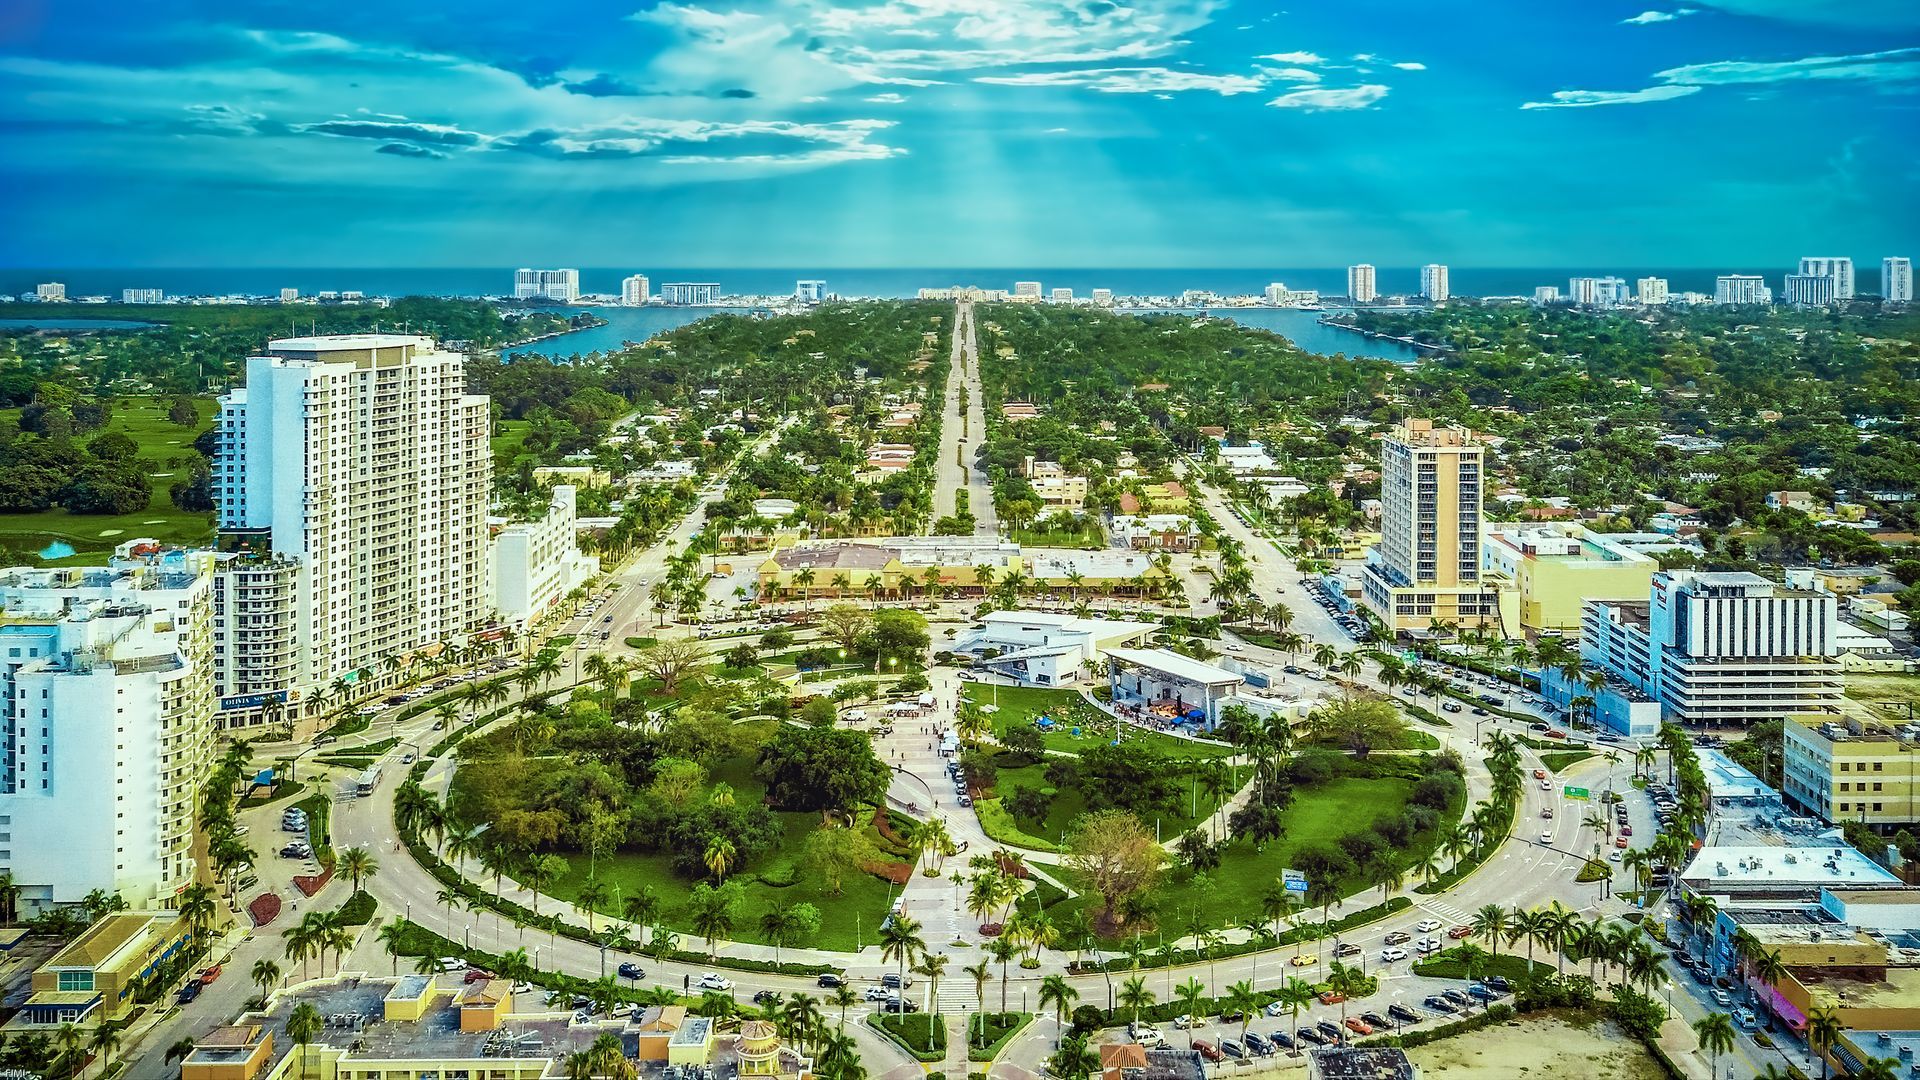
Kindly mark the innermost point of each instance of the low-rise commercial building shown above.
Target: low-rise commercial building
(93, 979)
(1847, 768)
(1555, 569)
(537, 563)
(1154, 532)
(1039, 648)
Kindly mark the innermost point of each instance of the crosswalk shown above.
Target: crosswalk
(1445, 912)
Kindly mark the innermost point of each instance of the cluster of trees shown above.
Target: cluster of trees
(60, 452)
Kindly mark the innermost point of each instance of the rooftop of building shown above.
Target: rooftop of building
(1167, 662)
(1720, 867)
(1854, 727)
(354, 1014)
(1728, 779)
(1552, 542)
(1097, 563)
(1423, 433)
(1899, 990)
(1353, 1063)
(1733, 583)
(320, 343)
(1065, 621)
(98, 943)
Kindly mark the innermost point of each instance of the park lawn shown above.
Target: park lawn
(857, 910)
(1070, 804)
(509, 441)
(1050, 538)
(1230, 894)
(1557, 760)
(94, 536)
(1020, 704)
(1890, 696)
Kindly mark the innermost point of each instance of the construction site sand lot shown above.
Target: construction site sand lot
(1538, 1047)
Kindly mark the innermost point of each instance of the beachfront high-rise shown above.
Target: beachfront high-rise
(1360, 286)
(1652, 291)
(1741, 289)
(1433, 282)
(1837, 268)
(1426, 567)
(108, 705)
(1807, 290)
(362, 462)
(1896, 280)
(634, 291)
(559, 286)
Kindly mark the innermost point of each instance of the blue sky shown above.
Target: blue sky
(1735, 133)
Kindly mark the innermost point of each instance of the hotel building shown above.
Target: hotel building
(108, 713)
(1360, 286)
(353, 473)
(1433, 282)
(559, 286)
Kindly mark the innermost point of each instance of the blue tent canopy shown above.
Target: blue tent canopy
(264, 778)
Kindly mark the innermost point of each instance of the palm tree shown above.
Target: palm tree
(1716, 1034)
(393, 935)
(265, 973)
(1056, 991)
(1004, 950)
(845, 998)
(900, 942)
(358, 864)
(104, 1044)
(303, 1024)
(1242, 999)
(1135, 995)
(1823, 1030)
(1297, 994)
(1492, 923)
(1193, 997)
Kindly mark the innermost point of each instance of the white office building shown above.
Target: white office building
(559, 286)
(1719, 649)
(361, 459)
(142, 296)
(1838, 268)
(690, 293)
(1061, 296)
(535, 564)
(1741, 289)
(1652, 291)
(1103, 297)
(1026, 290)
(1546, 294)
(108, 705)
(1808, 290)
(1360, 284)
(1433, 282)
(50, 291)
(1041, 648)
(810, 290)
(635, 291)
(288, 296)
(1896, 280)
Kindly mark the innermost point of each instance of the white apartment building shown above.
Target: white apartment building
(1597, 291)
(535, 564)
(108, 705)
(1808, 290)
(361, 459)
(1360, 285)
(1896, 279)
(1427, 564)
(1433, 282)
(142, 296)
(1061, 296)
(1026, 290)
(635, 291)
(559, 286)
(1546, 294)
(1652, 291)
(690, 293)
(810, 291)
(288, 296)
(1103, 297)
(1720, 649)
(1741, 289)
(52, 290)
(1838, 268)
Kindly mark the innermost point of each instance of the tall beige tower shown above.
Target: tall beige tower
(1427, 565)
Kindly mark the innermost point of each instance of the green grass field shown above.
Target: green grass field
(1020, 704)
(1070, 804)
(94, 536)
(508, 438)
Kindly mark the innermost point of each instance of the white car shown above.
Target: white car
(1427, 945)
(1389, 955)
(1546, 836)
(1185, 1021)
(1546, 785)
(1427, 926)
(453, 963)
(710, 981)
(1144, 1034)
(1275, 1008)
(876, 993)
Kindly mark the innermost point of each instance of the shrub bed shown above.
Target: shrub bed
(923, 1035)
(358, 910)
(1239, 948)
(264, 908)
(989, 1033)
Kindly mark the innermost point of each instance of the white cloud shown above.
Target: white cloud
(1571, 99)
(1293, 74)
(1055, 131)
(1141, 80)
(1411, 65)
(1294, 58)
(1321, 99)
(887, 99)
(1648, 18)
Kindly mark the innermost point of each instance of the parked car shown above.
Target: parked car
(1499, 982)
(1232, 1048)
(1439, 1004)
(1208, 1050)
(1144, 1033)
(188, 993)
(210, 975)
(1427, 945)
(875, 993)
(1185, 1021)
(1403, 1013)
(1281, 1039)
(1276, 1008)
(1359, 1026)
(1309, 1035)
(1329, 1029)
(1259, 1044)
(1480, 993)
(1376, 1019)
(1332, 997)
(478, 975)
(1458, 997)
(453, 963)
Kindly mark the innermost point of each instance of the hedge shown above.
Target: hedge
(1474, 858)
(1305, 932)
(912, 1032)
(1007, 1024)
(1446, 965)
(358, 910)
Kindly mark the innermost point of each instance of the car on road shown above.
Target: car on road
(1427, 945)
(188, 993)
(1427, 926)
(1461, 931)
(829, 980)
(1722, 998)
(892, 980)
(631, 970)
(1546, 811)
(1347, 948)
(1304, 960)
(1555, 733)
(1539, 774)
(1450, 706)
(1546, 836)
(762, 997)
(1231, 646)
(1546, 785)
(1392, 954)
(875, 993)
(710, 981)
(1399, 937)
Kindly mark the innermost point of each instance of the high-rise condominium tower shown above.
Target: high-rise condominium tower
(1839, 268)
(1433, 282)
(1360, 287)
(1896, 279)
(634, 291)
(1427, 564)
(357, 467)
(560, 286)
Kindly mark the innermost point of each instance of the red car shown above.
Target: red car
(1459, 932)
(1359, 1026)
(1626, 830)
(475, 974)
(1332, 997)
(1620, 842)
(1539, 774)
(208, 976)
(1208, 1050)
(1556, 733)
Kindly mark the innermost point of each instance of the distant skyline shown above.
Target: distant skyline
(1731, 134)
